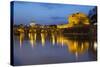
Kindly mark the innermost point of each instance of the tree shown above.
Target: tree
(93, 15)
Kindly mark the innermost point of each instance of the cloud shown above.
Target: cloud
(57, 18)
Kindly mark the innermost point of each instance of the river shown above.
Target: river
(47, 48)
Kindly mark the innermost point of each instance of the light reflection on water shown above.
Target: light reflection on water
(53, 47)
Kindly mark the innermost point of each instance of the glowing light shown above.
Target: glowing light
(76, 18)
(21, 37)
(32, 37)
(53, 38)
(76, 54)
(43, 39)
(95, 46)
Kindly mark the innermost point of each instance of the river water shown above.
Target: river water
(45, 48)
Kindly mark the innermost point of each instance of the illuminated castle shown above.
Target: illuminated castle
(76, 19)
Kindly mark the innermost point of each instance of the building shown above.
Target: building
(78, 18)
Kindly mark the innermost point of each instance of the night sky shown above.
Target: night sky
(45, 13)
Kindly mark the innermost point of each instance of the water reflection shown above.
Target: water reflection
(43, 38)
(95, 46)
(32, 39)
(53, 47)
(53, 38)
(75, 46)
(21, 38)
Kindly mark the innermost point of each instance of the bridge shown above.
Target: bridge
(36, 30)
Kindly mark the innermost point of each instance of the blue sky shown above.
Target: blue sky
(45, 13)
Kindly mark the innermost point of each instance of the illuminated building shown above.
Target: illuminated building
(78, 18)
(75, 19)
